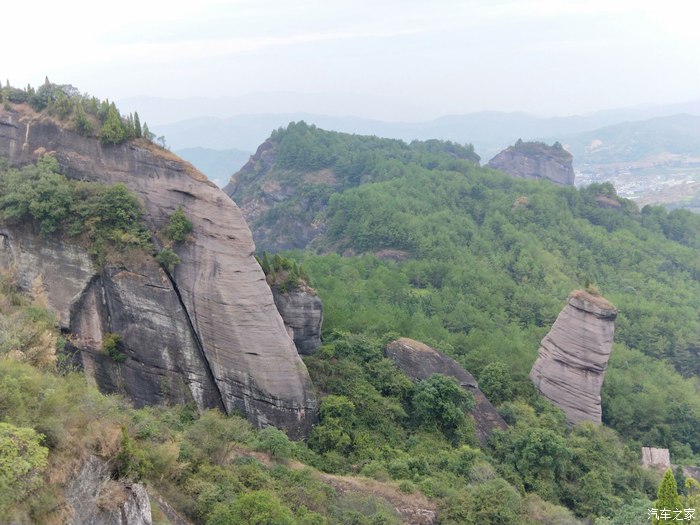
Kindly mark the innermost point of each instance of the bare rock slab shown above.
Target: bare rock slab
(536, 161)
(573, 356)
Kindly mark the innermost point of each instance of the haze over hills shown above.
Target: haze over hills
(213, 124)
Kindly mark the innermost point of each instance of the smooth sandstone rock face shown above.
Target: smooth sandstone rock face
(531, 160)
(419, 361)
(573, 356)
(220, 288)
(302, 313)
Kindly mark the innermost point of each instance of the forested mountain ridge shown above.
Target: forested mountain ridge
(464, 258)
(482, 264)
(285, 187)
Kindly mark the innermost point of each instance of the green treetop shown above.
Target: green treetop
(668, 499)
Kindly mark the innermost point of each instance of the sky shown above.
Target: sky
(384, 59)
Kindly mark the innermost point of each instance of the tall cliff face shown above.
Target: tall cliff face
(216, 301)
(419, 361)
(573, 356)
(534, 160)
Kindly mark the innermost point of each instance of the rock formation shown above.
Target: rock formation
(94, 498)
(656, 457)
(573, 356)
(419, 361)
(535, 160)
(211, 327)
(302, 313)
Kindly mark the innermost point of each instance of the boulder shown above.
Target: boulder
(420, 361)
(302, 313)
(573, 356)
(536, 160)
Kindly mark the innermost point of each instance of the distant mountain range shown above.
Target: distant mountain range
(218, 165)
(218, 141)
(676, 135)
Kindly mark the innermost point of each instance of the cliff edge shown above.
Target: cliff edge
(536, 160)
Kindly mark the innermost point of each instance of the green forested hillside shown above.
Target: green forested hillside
(479, 264)
(433, 247)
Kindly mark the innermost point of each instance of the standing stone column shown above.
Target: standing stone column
(570, 368)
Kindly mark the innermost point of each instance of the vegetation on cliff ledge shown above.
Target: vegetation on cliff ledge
(107, 220)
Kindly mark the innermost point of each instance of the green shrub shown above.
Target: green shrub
(22, 463)
(168, 259)
(179, 226)
(111, 345)
(274, 442)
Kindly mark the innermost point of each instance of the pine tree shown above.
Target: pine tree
(81, 120)
(147, 132)
(137, 125)
(112, 131)
(668, 499)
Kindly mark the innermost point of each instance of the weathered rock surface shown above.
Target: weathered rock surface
(419, 361)
(163, 361)
(302, 313)
(656, 457)
(95, 499)
(573, 356)
(220, 288)
(535, 160)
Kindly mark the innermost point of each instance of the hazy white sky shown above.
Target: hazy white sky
(542, 56)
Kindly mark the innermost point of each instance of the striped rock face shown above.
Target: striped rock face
(573, 356)
(224, 310)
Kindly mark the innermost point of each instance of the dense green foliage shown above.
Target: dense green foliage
(86, 113)
(284, 273)
(481, 266)
(667, 500)
(22, 462)
(107, 219)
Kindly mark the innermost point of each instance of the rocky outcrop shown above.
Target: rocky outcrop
(163, 362)
(260, 187)
(656, 457)
(302, 313)
(94, 498)
(419, 361)
(218, 292)
(536, 160)
(573, 356)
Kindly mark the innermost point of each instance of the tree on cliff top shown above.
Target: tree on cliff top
(112, 131)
